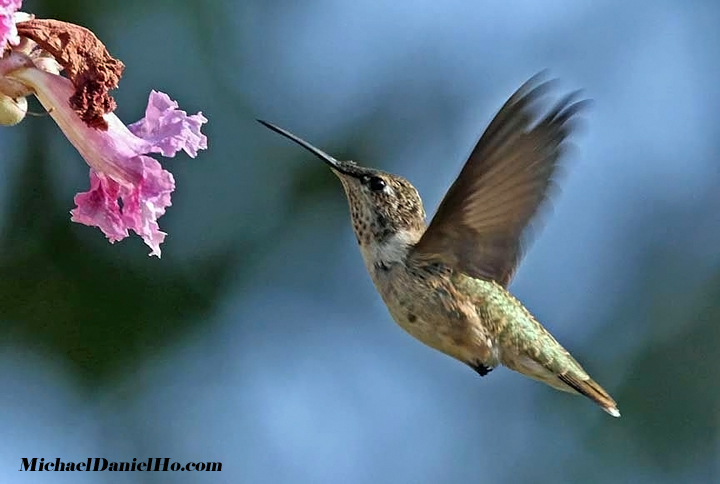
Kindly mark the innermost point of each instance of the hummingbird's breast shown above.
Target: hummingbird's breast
(426, 303)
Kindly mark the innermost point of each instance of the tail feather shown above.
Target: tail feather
(593, 391)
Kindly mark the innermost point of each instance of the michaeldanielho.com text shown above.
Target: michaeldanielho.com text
(102, 464)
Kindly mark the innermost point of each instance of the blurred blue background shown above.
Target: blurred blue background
(259, 341)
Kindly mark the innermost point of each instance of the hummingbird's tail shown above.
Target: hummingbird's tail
(593, 391)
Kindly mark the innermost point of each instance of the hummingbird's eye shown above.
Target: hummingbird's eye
(374, 183)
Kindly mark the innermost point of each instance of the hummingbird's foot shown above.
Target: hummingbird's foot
(480, 368)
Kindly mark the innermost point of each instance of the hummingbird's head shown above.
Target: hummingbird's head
(386, 210)
(382, 205)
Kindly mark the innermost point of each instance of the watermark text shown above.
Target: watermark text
(102, 464)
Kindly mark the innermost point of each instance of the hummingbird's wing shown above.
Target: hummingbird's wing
(479, 224)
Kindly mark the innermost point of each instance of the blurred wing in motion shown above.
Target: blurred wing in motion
(479, 225)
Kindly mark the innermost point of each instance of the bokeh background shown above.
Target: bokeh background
(258, 339)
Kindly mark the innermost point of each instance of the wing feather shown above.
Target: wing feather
(479, 225)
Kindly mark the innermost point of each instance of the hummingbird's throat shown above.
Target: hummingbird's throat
(391, 250)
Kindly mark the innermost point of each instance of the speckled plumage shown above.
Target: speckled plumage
(446, 284)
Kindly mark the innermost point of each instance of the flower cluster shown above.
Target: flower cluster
(128, 189)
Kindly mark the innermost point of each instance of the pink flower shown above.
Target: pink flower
(128, 190)
(8, 31)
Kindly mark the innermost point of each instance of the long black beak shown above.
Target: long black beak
(334, 164)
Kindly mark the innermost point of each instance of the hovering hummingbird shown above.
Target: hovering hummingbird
(446, 283)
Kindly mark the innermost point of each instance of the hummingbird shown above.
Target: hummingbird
(446, 283)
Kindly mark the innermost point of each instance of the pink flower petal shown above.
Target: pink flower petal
(8, 31)
(168, 128)
(145, 202)
(99, 207)
(142, 204)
